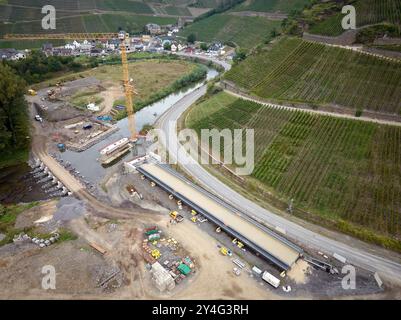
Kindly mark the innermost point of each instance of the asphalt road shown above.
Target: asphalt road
(354, 255)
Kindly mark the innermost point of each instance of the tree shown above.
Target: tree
(274, 33)
(204, 46)
(240, 54)
(14, 122)
(167, 46)
(191, 38)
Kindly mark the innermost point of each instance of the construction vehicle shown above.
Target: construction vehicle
(123, 38)
(61, 147)
(218, 229)
(156, 254)
(239, 244)
(194, 213)
(32, 92)
(194, 219)
(176, 216)
(225, 252)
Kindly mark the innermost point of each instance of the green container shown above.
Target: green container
(148, 233)
(184, 269)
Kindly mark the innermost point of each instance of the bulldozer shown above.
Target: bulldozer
(32, 92)
(176, 216)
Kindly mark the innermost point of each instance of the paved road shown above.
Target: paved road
(168, 123)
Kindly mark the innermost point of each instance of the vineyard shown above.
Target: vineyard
(368, 12)
(284, 6)
(301, 71)
(85, 5)
(89, 23)
(246, 32)
(336, 168)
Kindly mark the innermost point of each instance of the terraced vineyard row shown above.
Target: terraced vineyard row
(246, 32)
(375, 11)
(89, 23)
(245, 74)
(298, 70)
(336, 168)
(285, 6)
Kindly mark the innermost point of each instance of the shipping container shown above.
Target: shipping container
(270, 279)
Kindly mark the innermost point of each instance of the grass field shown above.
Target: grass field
(341, 170)
(282, 6)
(247, 32)
(301, 71)
(367, 12)
(149, 76)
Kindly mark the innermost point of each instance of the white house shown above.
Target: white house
(11, 54)
(181, 47)
(173, 48)
(18, 56)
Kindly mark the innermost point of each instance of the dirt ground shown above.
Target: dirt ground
(79, 267)
(111, 94)
(76, 262)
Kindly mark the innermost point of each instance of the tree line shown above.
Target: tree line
(14, 119)
(37, 67)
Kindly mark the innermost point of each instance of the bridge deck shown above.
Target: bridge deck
(272, 246)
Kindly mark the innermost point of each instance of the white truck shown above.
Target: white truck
(270, 279)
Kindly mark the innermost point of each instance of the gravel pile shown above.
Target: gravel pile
(68, 209)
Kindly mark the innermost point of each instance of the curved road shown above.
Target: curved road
(168, 123)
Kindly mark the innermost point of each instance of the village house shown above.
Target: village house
(96, 52)
(153, 29)
(62, 52)
(11, 54)
(180, 47)
(113, 44)
(47, 49)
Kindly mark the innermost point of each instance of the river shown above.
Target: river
(18, 185)
(87, 163)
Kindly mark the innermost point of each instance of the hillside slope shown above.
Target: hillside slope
(347, 173)
(325, 19)
(301, 71)
(246, 32)
(282, 6)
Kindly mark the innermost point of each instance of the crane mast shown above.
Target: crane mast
(122, 36)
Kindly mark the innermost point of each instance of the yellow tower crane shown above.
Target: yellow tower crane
(122, 36)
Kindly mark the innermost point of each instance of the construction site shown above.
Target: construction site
(119, 224)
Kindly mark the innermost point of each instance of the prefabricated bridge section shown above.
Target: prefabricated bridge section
(262, 240)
